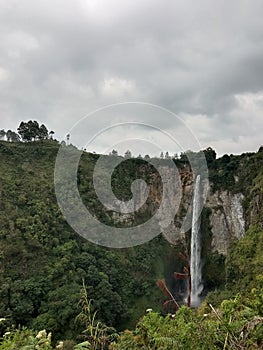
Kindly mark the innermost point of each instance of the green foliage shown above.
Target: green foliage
(210, 155)
(26, 339)
(235, 325)
(82, 346)
(31, 131)
(244, 266)
(97, 334)
(43, 262)
(236, 173)
(245, 260)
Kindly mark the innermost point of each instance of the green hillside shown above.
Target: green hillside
(43, 262)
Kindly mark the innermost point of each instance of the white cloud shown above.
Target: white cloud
(241, 131)
(4, 75)
(118, 88)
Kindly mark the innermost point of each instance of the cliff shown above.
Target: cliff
(234, 199)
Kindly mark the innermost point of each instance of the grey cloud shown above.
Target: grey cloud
(64, 59)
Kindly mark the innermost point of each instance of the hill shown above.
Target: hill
(43, 262)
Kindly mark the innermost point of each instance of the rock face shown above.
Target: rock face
(226, 219)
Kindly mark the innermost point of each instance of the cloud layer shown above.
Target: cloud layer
(60, 60)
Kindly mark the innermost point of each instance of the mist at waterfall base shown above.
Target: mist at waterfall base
(195, 255)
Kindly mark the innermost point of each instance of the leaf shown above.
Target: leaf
(81, 346)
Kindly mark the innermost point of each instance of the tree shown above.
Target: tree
(183, 157)
(31, 131)
(8, 135)
(127, 154)
(34, 128)
(42, 132)
(2, 134)
(51, 133)
(28, 131)
(12, 136)
(167, 155)
(114, 152)
(210, 155)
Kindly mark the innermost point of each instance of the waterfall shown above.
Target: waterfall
(195, 258)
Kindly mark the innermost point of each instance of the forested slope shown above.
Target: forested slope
(43, 263)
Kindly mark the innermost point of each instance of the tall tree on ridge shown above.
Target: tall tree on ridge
(31, 131)
(2, 134)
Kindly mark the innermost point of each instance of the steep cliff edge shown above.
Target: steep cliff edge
(234, 199)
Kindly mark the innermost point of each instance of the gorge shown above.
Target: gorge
(43, 262)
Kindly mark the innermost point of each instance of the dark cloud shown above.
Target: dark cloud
(59, 60)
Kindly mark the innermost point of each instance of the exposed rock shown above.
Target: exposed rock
(226, 218)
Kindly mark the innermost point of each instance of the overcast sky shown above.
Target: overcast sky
(60, 60)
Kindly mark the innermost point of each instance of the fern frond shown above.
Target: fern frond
(165, 343)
